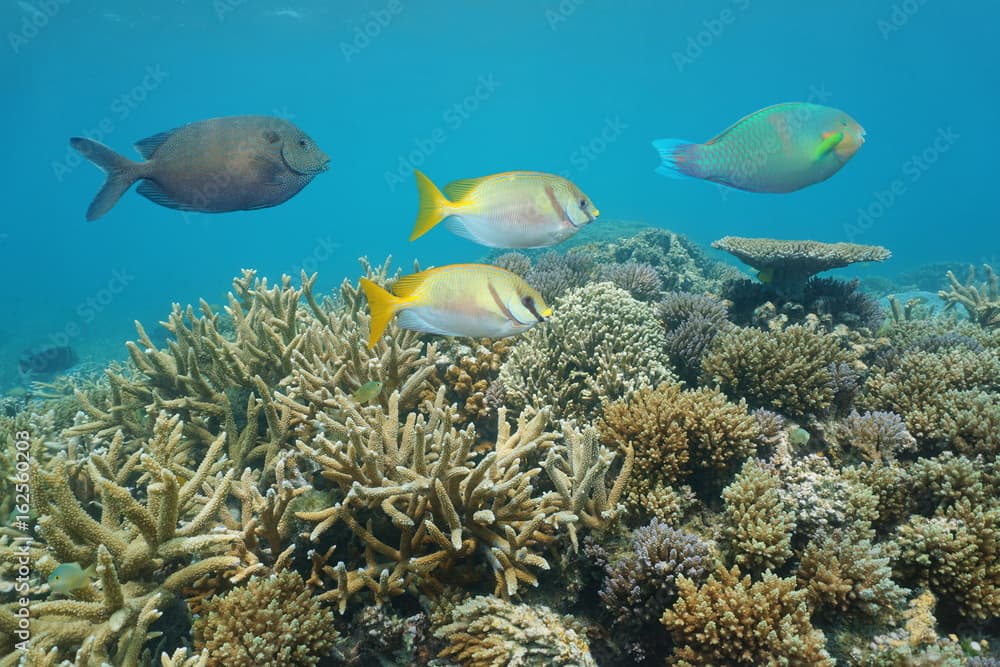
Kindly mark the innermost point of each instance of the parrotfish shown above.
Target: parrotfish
(68, 577)
(515, 209)
(475, 300)
(798, 436)
(781, 148)
(211, 166)
(367, 391)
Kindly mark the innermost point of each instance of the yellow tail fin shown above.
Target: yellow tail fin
(382, 306)
(433, 206)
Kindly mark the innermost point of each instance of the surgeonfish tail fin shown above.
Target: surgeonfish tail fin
(676, 155)
(433, 206)
(382, 305)
(122, 173)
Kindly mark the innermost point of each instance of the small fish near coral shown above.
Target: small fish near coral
(367, 391)
(515, 209)
(47, 359)
(68, 577)
(778, 149)
(476, 300)
(234, 163)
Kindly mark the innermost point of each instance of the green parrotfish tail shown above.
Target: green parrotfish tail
(122, 173)
(830, 141)
(678, 158)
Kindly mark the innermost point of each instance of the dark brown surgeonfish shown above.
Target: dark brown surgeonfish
(221, 164)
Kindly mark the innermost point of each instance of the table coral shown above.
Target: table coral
(489, 632)
(791, 371)
(599, 345)
(731, 620)
(269, 621)
(790, 264)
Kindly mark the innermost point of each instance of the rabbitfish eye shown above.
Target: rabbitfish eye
(583, 203)
(528, 302)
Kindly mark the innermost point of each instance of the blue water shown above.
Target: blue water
(464, 89)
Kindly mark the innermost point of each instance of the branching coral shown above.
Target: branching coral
(471, 370)
(640, 585)
(981, 301)
(161, 530)
(847, 574)
(270, 621)
(876, 436)
(791, 371)
(730, 620)
(949, 398)
(599, 345)
(955, 553)
(758, 525)
(488, 632)
(692, 322)
(674, 431)
(637, 278)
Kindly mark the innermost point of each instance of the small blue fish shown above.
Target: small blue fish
(367, 391)
(68, 577)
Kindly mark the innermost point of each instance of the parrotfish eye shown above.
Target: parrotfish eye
(302, 143)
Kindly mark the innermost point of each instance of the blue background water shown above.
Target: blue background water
(465, 89)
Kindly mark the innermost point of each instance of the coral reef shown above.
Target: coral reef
(848, 575)
(691, 323)
(269, 621)
(981, 301)
(639, 279)
(758, 525)
(731, 620)
(875, 436)
(674, 432)
(489, 632)
(599, 344)
(788, 265)
(791, 371)
(640, 585)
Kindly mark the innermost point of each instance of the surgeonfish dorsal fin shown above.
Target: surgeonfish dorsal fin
(830, 141)
(148, 146)
(458, 190)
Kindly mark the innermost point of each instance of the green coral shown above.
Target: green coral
(600, 344)
(732, 620)
(758, 525)
(792, 371)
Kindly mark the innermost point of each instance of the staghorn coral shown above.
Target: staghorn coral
(637, 278)
(641, 584)
(674, 432)
(981, 301)
(948, 478)
(758, 525)
(691, 322)
(218, 381)
(554, 274)
(148, 544)
(846, 573)
(731, 620)
(790, 264)
(269, 621)
(792, 371)
(956, 554)
(515, 262)
(892, 488)
(876, 436)
(419, 499)
(600, 344)
(488, 632)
